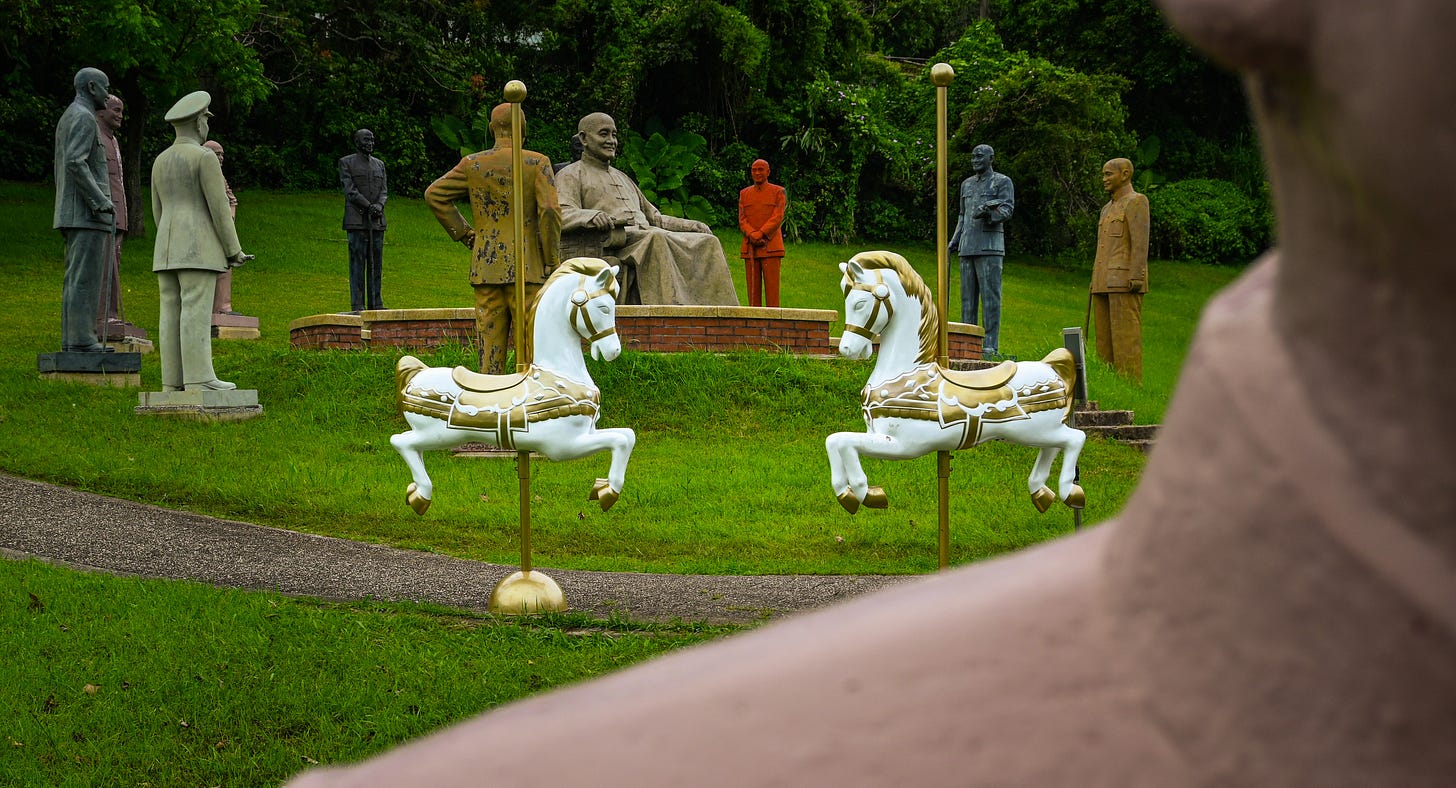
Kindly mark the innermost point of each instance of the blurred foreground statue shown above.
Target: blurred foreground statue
(1275, 606)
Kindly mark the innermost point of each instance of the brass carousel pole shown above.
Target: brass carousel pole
(525, 591)
(941, 75)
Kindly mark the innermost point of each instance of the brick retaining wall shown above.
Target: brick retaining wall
(659, 329)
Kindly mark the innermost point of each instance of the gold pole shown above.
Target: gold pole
(941, 75)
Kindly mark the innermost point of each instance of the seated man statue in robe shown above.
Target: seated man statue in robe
(677, 261)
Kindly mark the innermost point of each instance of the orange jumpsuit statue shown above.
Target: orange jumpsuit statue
(1120, 273)
(761, 218)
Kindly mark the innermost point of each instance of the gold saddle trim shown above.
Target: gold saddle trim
(485, 384)
(981, 379)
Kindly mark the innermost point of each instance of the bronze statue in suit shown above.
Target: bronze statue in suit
(484, 179)
(196, 241)
(84, 213)
(366, 190)
(1120, 272)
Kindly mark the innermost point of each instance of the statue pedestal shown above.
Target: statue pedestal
(117, 370)
(235, 327)
(124, 337)
(235, 405)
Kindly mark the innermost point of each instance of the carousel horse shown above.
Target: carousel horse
(913, 406)
(551, 408)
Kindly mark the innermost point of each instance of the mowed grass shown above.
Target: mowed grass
(729, 474)
(123, 681)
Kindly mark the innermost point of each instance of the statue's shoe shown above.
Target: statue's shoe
(95, 347)
(212, 385)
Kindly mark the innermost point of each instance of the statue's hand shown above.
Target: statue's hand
(699, 227)
(601, 221)
(107, 206)
(469, 240)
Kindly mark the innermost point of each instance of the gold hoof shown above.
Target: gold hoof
(875, 498)
(1076, 499)
(848, 501)
(603, 493)
(418, 502)
(1043, 499)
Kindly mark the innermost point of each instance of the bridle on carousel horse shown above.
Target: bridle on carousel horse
(881, 292)
(579, 299)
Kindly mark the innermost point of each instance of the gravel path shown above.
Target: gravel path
(94, 532)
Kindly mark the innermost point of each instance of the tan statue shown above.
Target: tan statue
(111, 323)
(222, 295)
(485, 180)
(1276, 605)
(677, 261)
(1120, 273)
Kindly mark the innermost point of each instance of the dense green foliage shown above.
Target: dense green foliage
(832, 92)
(1206, 221)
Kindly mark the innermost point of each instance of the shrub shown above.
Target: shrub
(1206, 221)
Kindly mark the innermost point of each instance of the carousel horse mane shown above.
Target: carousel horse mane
(588, 266)
(929, 329)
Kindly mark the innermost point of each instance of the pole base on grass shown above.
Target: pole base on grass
(527, 593)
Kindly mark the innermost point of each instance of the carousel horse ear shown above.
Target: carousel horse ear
(616, 271)
(853, 270)
(604, 278)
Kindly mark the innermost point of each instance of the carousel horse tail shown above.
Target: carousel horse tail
(1062, 363)
(404, 371)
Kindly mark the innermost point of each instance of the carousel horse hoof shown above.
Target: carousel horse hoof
(1076, 498)
(603, 493)
(848, 501)
(1043, 499)
(875, 498)
(418, 502)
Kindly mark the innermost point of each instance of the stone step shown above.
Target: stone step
(1124, 433)
(1104, 418)
(1142, 446)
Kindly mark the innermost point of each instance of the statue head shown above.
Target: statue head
(500, 121)
(598, 135)
(759, 172)
(981, 158)
(189, 115)
(1115, 174)
(92, 84)
(110, 114)
(364, 141)
(215, 148)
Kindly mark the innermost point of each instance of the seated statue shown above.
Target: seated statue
(676, 261)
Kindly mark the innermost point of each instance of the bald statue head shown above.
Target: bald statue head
(598, 135)
(92, 85)
(110, 115)
(215, 148)
(500, 122)
(1116, 174)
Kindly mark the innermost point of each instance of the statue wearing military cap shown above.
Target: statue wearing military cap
(196, 240)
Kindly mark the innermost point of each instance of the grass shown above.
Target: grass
(114, 680)
(729, 474)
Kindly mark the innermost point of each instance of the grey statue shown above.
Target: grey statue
(986, 201)
(84, 214)
(196, 241)
(677, 261)
(365, 193)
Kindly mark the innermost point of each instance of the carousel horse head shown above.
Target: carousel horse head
(587, 287)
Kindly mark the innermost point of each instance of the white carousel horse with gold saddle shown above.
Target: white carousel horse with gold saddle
(551, 408)
(912, 406)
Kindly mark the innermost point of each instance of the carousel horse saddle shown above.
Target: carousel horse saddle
(485, 384)
(981, 379)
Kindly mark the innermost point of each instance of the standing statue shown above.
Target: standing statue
(222, 297)
(365, 193)
(85, 213)
(196, 241)
(111, 323)
(761, 218)
(484, 179)
(677, 261)
(1120, 273)
(987, 200)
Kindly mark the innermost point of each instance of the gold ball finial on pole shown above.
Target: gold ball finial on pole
(515, 91)
(941, 74)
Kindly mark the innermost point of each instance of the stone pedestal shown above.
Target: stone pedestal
(235, 405)
(235, 327)
(116, 370)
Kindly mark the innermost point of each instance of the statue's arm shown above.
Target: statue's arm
(79, 145)
(352, 195)
(442, 195)
(776, 218)
(657, 218)
(1138, 227)
(383, 187)
(1001, 208)
(548, 215)
(571, 194)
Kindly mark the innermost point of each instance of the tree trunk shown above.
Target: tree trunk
(138, 109)
(985, 9)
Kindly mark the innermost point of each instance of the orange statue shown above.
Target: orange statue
(761, 218)
(1120, 273)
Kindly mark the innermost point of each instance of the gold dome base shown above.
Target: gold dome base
(527, 593)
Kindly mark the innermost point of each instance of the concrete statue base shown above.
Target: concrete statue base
(234, 405)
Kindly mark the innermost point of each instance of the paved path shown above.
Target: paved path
(94, 532)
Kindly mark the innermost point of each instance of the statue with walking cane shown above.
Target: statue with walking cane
(365, 193)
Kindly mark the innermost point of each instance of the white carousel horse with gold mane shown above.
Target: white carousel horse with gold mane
(551, 408)
(912, 406)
